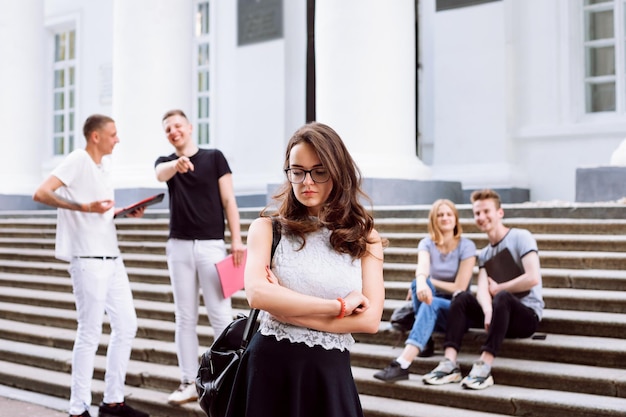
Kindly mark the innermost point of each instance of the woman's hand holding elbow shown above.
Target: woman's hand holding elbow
(356, 303)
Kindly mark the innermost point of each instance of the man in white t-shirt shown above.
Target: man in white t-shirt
(80, 187)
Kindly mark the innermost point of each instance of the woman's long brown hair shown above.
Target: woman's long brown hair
(342, 213)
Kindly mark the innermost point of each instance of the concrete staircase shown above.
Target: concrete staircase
(578, 370)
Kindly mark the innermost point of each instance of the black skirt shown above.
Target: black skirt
(285, 379)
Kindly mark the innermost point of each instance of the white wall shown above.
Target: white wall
(93, 22)
(553, 135)
(145, 48)
(471, 100)
(508, 99)
(501, 83)
(250, 104)
(152, 55)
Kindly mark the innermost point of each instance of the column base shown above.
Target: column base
(600, 184)
(507, 194)
(391, 191)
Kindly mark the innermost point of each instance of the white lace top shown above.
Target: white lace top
(315, 270)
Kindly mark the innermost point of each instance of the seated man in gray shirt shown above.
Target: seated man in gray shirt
(507, 308)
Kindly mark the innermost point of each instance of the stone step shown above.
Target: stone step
(154, 342)
(560, 298)
(551, 209)
(155, 301)
(536, 374)
(399, 275)
(141, 290)
(145, 260)
(534, 209)
(537, 225)
(545, 242)
(504, 399)
(155, 402)
(139, 247)
(608, 226)
(597, 278)
(153, 242)
(59, 269)
(606, 352)
(549, 259)
(598, 380)
(142, 235)
(575, 371)
(28, 233)
(583, 323)
(157, 322)
(596, 384)
(56, 383)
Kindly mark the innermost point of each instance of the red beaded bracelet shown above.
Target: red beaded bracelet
(342, 313)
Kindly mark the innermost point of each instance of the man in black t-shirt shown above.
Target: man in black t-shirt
(201, 195)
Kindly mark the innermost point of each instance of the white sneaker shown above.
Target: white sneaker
(446, 372)
(479, 377)
(185, 393)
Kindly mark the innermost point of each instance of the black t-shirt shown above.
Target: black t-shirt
(196, 210)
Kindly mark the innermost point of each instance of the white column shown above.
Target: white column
(618, 157)
(21, 95)
(365, 75)
(152, 41)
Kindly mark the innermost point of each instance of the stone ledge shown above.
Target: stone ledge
(605, 183)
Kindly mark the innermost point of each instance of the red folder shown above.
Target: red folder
(121, 212)
(231, 276)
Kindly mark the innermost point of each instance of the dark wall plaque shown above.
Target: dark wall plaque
(259, 21)
(455, 4)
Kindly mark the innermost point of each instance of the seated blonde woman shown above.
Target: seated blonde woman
(445, 263)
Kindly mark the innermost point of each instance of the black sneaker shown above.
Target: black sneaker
(393, 372)
(119, 410)
(84, 414)
(429, 349)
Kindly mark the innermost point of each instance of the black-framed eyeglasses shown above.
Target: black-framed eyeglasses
(297, 175)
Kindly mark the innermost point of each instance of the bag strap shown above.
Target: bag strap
(254, 312)
(249, 330)
(276, 235)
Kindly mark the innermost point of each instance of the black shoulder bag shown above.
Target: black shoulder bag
(218, 365)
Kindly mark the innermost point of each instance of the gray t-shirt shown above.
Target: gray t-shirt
(520, 242)
(444, 267)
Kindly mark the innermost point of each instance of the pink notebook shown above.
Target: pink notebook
(231, 277)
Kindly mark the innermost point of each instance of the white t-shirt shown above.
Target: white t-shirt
(79, 233)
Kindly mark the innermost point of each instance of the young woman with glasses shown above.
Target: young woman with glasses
(324, 282)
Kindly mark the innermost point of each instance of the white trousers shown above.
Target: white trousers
(191, 265)
(100, 286)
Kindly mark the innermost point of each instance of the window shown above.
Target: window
(604, 52)
(203, 66)
(64, 93)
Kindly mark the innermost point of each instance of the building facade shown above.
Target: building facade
(431, 96)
